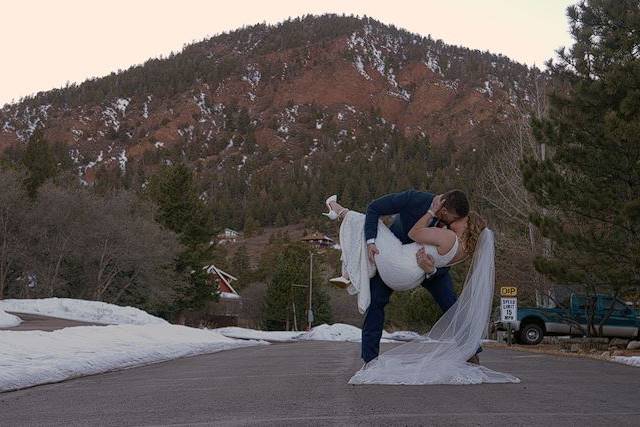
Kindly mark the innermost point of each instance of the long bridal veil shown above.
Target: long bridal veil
(440, 356)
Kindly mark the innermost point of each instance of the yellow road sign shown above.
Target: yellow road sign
(508, 291)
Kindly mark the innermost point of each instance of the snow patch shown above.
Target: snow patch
(145, 107)
(337, 332)
(252, 76)
(121, 105)
(122, 160)
(627, 360)
(82, 310)
(253, 334)
(324, 332)
(8, 320)
(202, 104)
(35, 357)
(486, 89)
(431, 62)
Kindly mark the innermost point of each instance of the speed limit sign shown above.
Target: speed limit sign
(508, 309)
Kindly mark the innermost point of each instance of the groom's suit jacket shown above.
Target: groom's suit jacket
(408, 207)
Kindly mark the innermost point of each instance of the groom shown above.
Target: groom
(408, 207)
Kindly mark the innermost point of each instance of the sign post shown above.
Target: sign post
(509, 308)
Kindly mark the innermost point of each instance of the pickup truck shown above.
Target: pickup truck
(534, 323)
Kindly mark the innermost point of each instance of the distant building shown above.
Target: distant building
(223, 280)
(318, 240)
(225, 312)
(228, 235)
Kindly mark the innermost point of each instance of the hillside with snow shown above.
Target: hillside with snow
(257, 109)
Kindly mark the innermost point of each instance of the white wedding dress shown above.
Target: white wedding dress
(440, 356)
(396, 263)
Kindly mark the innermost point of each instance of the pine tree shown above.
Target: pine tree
(292, 268)
(251, 225)
(180, 210)
(589, 188)
(240, 266)
(39, 161)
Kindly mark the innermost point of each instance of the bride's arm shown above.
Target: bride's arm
(425, 235)
(416, 231)
(439, 237)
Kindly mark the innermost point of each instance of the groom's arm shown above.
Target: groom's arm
(386, 205)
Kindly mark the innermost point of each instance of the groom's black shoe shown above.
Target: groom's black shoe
(474, 359)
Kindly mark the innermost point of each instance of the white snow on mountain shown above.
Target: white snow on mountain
(252, 76)
(431, 62)
(121, 105)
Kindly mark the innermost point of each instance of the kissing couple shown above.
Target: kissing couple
(429, 234)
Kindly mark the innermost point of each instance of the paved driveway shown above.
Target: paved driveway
(35, 322)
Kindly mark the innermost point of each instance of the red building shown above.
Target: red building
(223, 280)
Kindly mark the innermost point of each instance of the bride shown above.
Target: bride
(396, 262)
(440, 357)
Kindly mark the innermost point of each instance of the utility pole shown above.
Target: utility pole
(293, 304)
(310, 312)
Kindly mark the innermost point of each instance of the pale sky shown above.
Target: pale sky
(47, 43)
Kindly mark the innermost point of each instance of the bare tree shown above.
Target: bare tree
(70, 242)
(51, 231)
(13, 206)
(502, 188)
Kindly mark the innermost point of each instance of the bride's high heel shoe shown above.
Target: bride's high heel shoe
(332, 215)
(340, 282)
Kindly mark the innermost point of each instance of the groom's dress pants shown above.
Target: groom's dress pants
(440, 286)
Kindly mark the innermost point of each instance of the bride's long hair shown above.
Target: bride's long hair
(475, 225)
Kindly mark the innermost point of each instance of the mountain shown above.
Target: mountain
(274, 118)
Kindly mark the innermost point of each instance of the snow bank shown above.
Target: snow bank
(29, 358)
(253, 334)
(627, 360)
(8, 320)
(335, 332)
(401, 335)
(338, 332)
(81, 310)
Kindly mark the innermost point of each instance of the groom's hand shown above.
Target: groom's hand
(425, 261)
(372, 251)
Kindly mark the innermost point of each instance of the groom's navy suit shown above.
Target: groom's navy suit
(408, 207)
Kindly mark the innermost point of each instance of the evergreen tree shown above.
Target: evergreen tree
(180, 210)
(39, 161)
(292, 268)
(250, 226)
(589, 188)
(240, 266)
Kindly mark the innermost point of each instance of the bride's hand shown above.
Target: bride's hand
(425, 261)
(372, 251)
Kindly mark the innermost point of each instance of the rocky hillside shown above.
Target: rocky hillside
(273, 118)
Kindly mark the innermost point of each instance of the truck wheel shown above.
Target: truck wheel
(530, 334)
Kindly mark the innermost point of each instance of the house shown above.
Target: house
(223, 280)
(318, 240)
(228, 235)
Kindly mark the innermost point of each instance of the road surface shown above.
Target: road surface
(36, 322)
(305, 383)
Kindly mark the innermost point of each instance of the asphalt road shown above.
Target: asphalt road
(306, 384)
(35, 322)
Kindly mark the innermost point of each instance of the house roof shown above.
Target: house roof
(225, 281)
